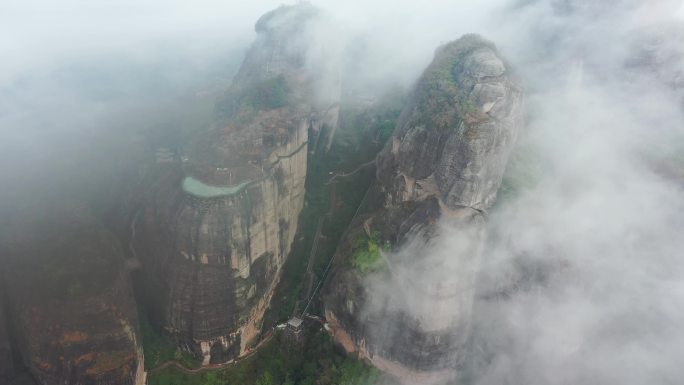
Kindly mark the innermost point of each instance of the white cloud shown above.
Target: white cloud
(612, 313)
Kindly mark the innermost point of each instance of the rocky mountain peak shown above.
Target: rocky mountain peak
(221, 223)
(455, 136)
(285, 17)
(409, 310)
(281, 46)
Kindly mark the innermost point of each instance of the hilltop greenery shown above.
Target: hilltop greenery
(441, 91)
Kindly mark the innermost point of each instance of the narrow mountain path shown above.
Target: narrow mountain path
(346, 174)
(213, 367)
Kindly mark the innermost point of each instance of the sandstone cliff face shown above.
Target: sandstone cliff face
(399, 293)
(219, 225)
(70, 299)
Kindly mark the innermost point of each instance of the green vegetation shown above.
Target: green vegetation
(361, 134)
(277, 363)
(158, 349)
(441, 91)
(366, 256)
(174, 376)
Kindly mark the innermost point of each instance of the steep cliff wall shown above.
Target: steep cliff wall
(70, 300)
(399, 293)
(219, 224)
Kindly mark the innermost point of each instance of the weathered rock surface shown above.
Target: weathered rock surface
(71, 300)
(409, 310)
(455, 136)
(218, 226)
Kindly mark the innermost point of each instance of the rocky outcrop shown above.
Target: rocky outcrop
(219, 224)
(454, 138)
(400, 294)
(71, 300)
